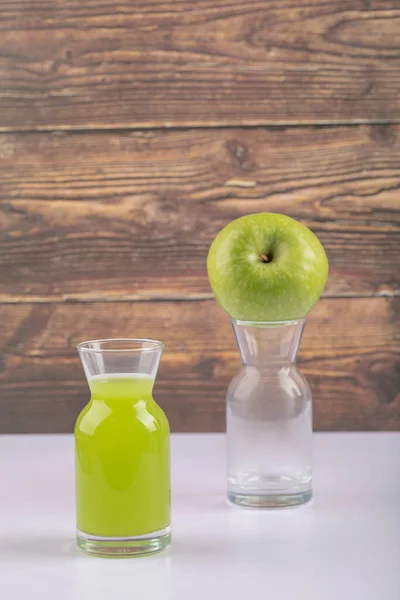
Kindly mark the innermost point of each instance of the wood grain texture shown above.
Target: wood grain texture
(103, 216)
(349, 352)
(68, 64)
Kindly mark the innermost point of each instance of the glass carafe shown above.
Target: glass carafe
(122, 455)
(269, 418)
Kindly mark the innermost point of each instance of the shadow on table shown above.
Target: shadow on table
(184, 500)
(184, 549)
(48, 547)
(56, 549)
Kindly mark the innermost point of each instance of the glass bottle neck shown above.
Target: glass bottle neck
(120, 388)
(121, 361)
(268, 343)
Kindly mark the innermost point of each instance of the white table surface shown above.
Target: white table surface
(344, 545)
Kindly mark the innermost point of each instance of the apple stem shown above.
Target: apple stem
(263, 258)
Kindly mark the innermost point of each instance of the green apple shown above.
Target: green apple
(267, 267)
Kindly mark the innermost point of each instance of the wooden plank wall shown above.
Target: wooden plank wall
(130, 133)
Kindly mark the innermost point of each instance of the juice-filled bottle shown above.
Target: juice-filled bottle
(122, 463)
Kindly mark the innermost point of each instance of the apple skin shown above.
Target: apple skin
(267, 267)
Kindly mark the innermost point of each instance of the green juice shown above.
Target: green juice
(122, 462)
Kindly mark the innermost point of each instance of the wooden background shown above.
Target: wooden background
(131, 132)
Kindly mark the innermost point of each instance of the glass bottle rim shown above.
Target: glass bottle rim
(125, 345)
(269, 323)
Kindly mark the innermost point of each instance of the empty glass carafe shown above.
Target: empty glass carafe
(269, 418)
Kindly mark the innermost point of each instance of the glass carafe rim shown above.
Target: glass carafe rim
(136, 345)
(268, 323)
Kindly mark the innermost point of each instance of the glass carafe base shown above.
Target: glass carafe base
(124, 546)
(260, 490)
(280, 500)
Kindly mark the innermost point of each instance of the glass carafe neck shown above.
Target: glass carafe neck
(268, 343)
(120, 359)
